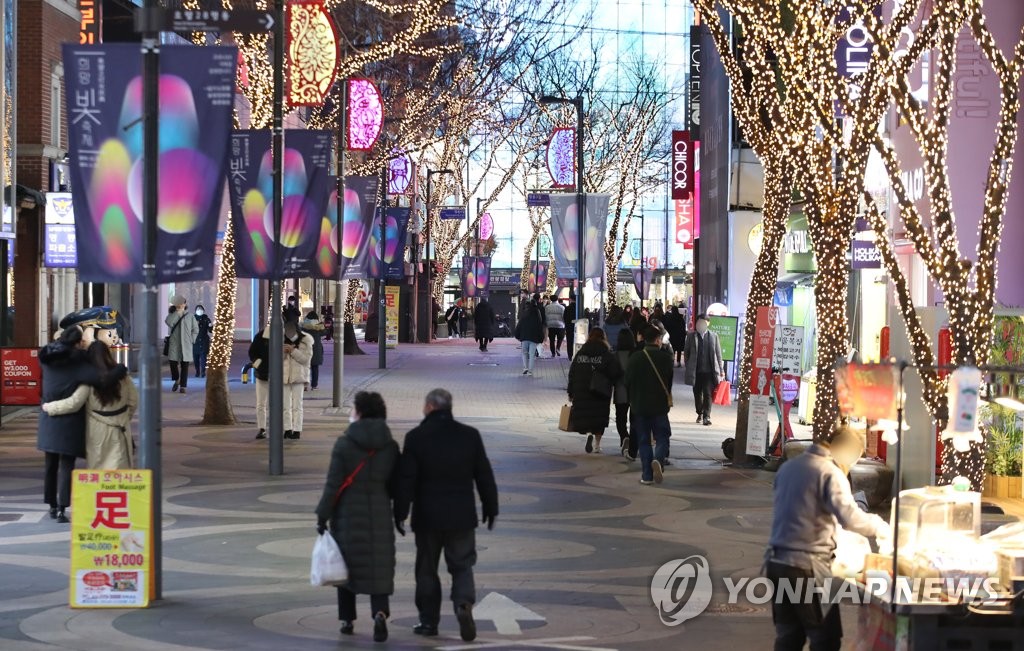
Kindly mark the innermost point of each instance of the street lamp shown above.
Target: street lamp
(580, 204)
(430, 262)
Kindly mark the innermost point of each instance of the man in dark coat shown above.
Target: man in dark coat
(704, 367)
(361, 517)
(65, 366)
(259, 351)
(484, 322)
(440, 464)
(530, 331)
(649, 384)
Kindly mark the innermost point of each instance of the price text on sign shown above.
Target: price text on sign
(110, 538)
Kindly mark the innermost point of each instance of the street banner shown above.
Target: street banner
(326, 266)
(305, 163)
(538, 275)
(395, 232)
(476, 276)
(392, 295)
(565, 233)
(357, 224)
(103, 91)
(725, 327)
(21, 376)
(642, 282)
(867, 391)
(111, 552)
(764, 347)
(757, 425)
(788, 350)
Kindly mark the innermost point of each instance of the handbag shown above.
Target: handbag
(565, 418)
(668, 394)
(167, 339)
(328, 565)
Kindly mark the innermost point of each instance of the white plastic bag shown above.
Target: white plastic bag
(328, 567)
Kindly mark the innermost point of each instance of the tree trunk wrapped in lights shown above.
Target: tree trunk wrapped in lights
(218, 410)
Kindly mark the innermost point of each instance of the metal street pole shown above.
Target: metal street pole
(149, 362)
(337, 381)
(581, 207)
(382, 313)
(643, 260)
(275, 404)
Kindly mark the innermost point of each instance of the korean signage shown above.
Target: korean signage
(865, 255)
(453, 212)
(789, 348)
(59, 247)
(757, 425)
(764, 348)
(110, 538)
(391, 299)
(21, 376)
(682, 165)
(867, 391)
(90, 22)
(105, 125)
(725, 327)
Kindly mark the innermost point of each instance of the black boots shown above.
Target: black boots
(62, 517)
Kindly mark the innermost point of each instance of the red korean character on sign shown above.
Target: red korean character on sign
(111, 510)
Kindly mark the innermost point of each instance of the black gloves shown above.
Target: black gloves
(400, 526)
(489, 521)
(321, 526)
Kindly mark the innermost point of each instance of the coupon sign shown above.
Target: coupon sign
(112, 513)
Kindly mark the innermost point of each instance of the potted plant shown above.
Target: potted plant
(1004, 452)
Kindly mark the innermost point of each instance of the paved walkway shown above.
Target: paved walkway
(576, 545)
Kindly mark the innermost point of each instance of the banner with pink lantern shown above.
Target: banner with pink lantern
(258, 254)
(565, 234)
(476, 276)
(358, 222)
(103, 91)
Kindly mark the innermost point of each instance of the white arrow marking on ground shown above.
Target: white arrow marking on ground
(505, 613)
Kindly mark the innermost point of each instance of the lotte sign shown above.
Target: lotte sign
(682, 165)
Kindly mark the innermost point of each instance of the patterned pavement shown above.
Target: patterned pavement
(568, 566)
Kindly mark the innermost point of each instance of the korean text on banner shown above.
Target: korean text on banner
(104, 104)
(764, 348)
(110, 538)
(391, 300)
(757, 425)
(788, 352)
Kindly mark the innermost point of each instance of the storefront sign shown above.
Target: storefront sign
(693, 96)
(764, 348)
(110, 538)
(21, 376)
(867, 391)
(91, 18)
(725, 327)
(682, 165)
(391, 299)
(684, 222)
(757, 425)
(788, 352)
(59, 248)
(865, 255)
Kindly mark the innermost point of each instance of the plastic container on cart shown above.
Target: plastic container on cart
(934, 514)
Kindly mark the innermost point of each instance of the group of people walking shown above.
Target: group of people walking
(542, 318)
(371, 488)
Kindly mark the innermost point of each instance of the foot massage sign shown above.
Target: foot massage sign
(111, 518)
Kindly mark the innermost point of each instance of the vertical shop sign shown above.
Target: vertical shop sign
(391, 299)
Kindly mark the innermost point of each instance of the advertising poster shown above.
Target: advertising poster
(642, 279)
(764, 347)
(867, 391)
(725, 327)
(391, 300)
(538, 275)
(110, 538)
(788, 351)
(757, 425)
(105, 131)
(250, 183)
(476, 276)
(395, 232)
(21, 376)
(565, 234)
(357, 224)
(326, 264)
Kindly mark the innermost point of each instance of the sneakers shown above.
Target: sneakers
(597, 445)
(526, 371)
(700, 418)
(380, 627)
(646, 482)
(174, 388)
(624, 447)
(467, 627)
(589, 447)
(530, 373)
(707, 421)
(659, 474)
(262, 434)
(181, 390)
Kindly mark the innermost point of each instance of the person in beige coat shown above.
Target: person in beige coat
(298, 353)
(109, 409)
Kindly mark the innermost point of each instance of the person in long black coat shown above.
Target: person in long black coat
(65, 366)
(484, 323)
(675, 324)
(360, 519)
(590, 410)
(441, 462)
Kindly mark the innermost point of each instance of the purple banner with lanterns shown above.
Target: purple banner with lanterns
(306, 188)
(396, 226)
(358, 222)
(476, 276)
(565, 234)
(103, 90)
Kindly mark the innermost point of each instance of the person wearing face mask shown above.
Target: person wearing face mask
(182, 333)
(356, 506)
(812, 496)
(201, 348)
(298, 354)
(704, 367)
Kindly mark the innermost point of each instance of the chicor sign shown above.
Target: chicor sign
(682, 165)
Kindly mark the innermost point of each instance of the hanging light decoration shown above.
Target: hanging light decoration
(312, 51)
(365, 114)
(562, 157)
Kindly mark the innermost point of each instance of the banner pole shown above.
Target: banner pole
(339, 287)
(382, 313)
(275, 401)
(149, 362)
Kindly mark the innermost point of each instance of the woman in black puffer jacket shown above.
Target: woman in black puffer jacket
(591, 406)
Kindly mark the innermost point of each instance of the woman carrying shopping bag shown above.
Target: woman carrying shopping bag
(361, 519)
(592, 377)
